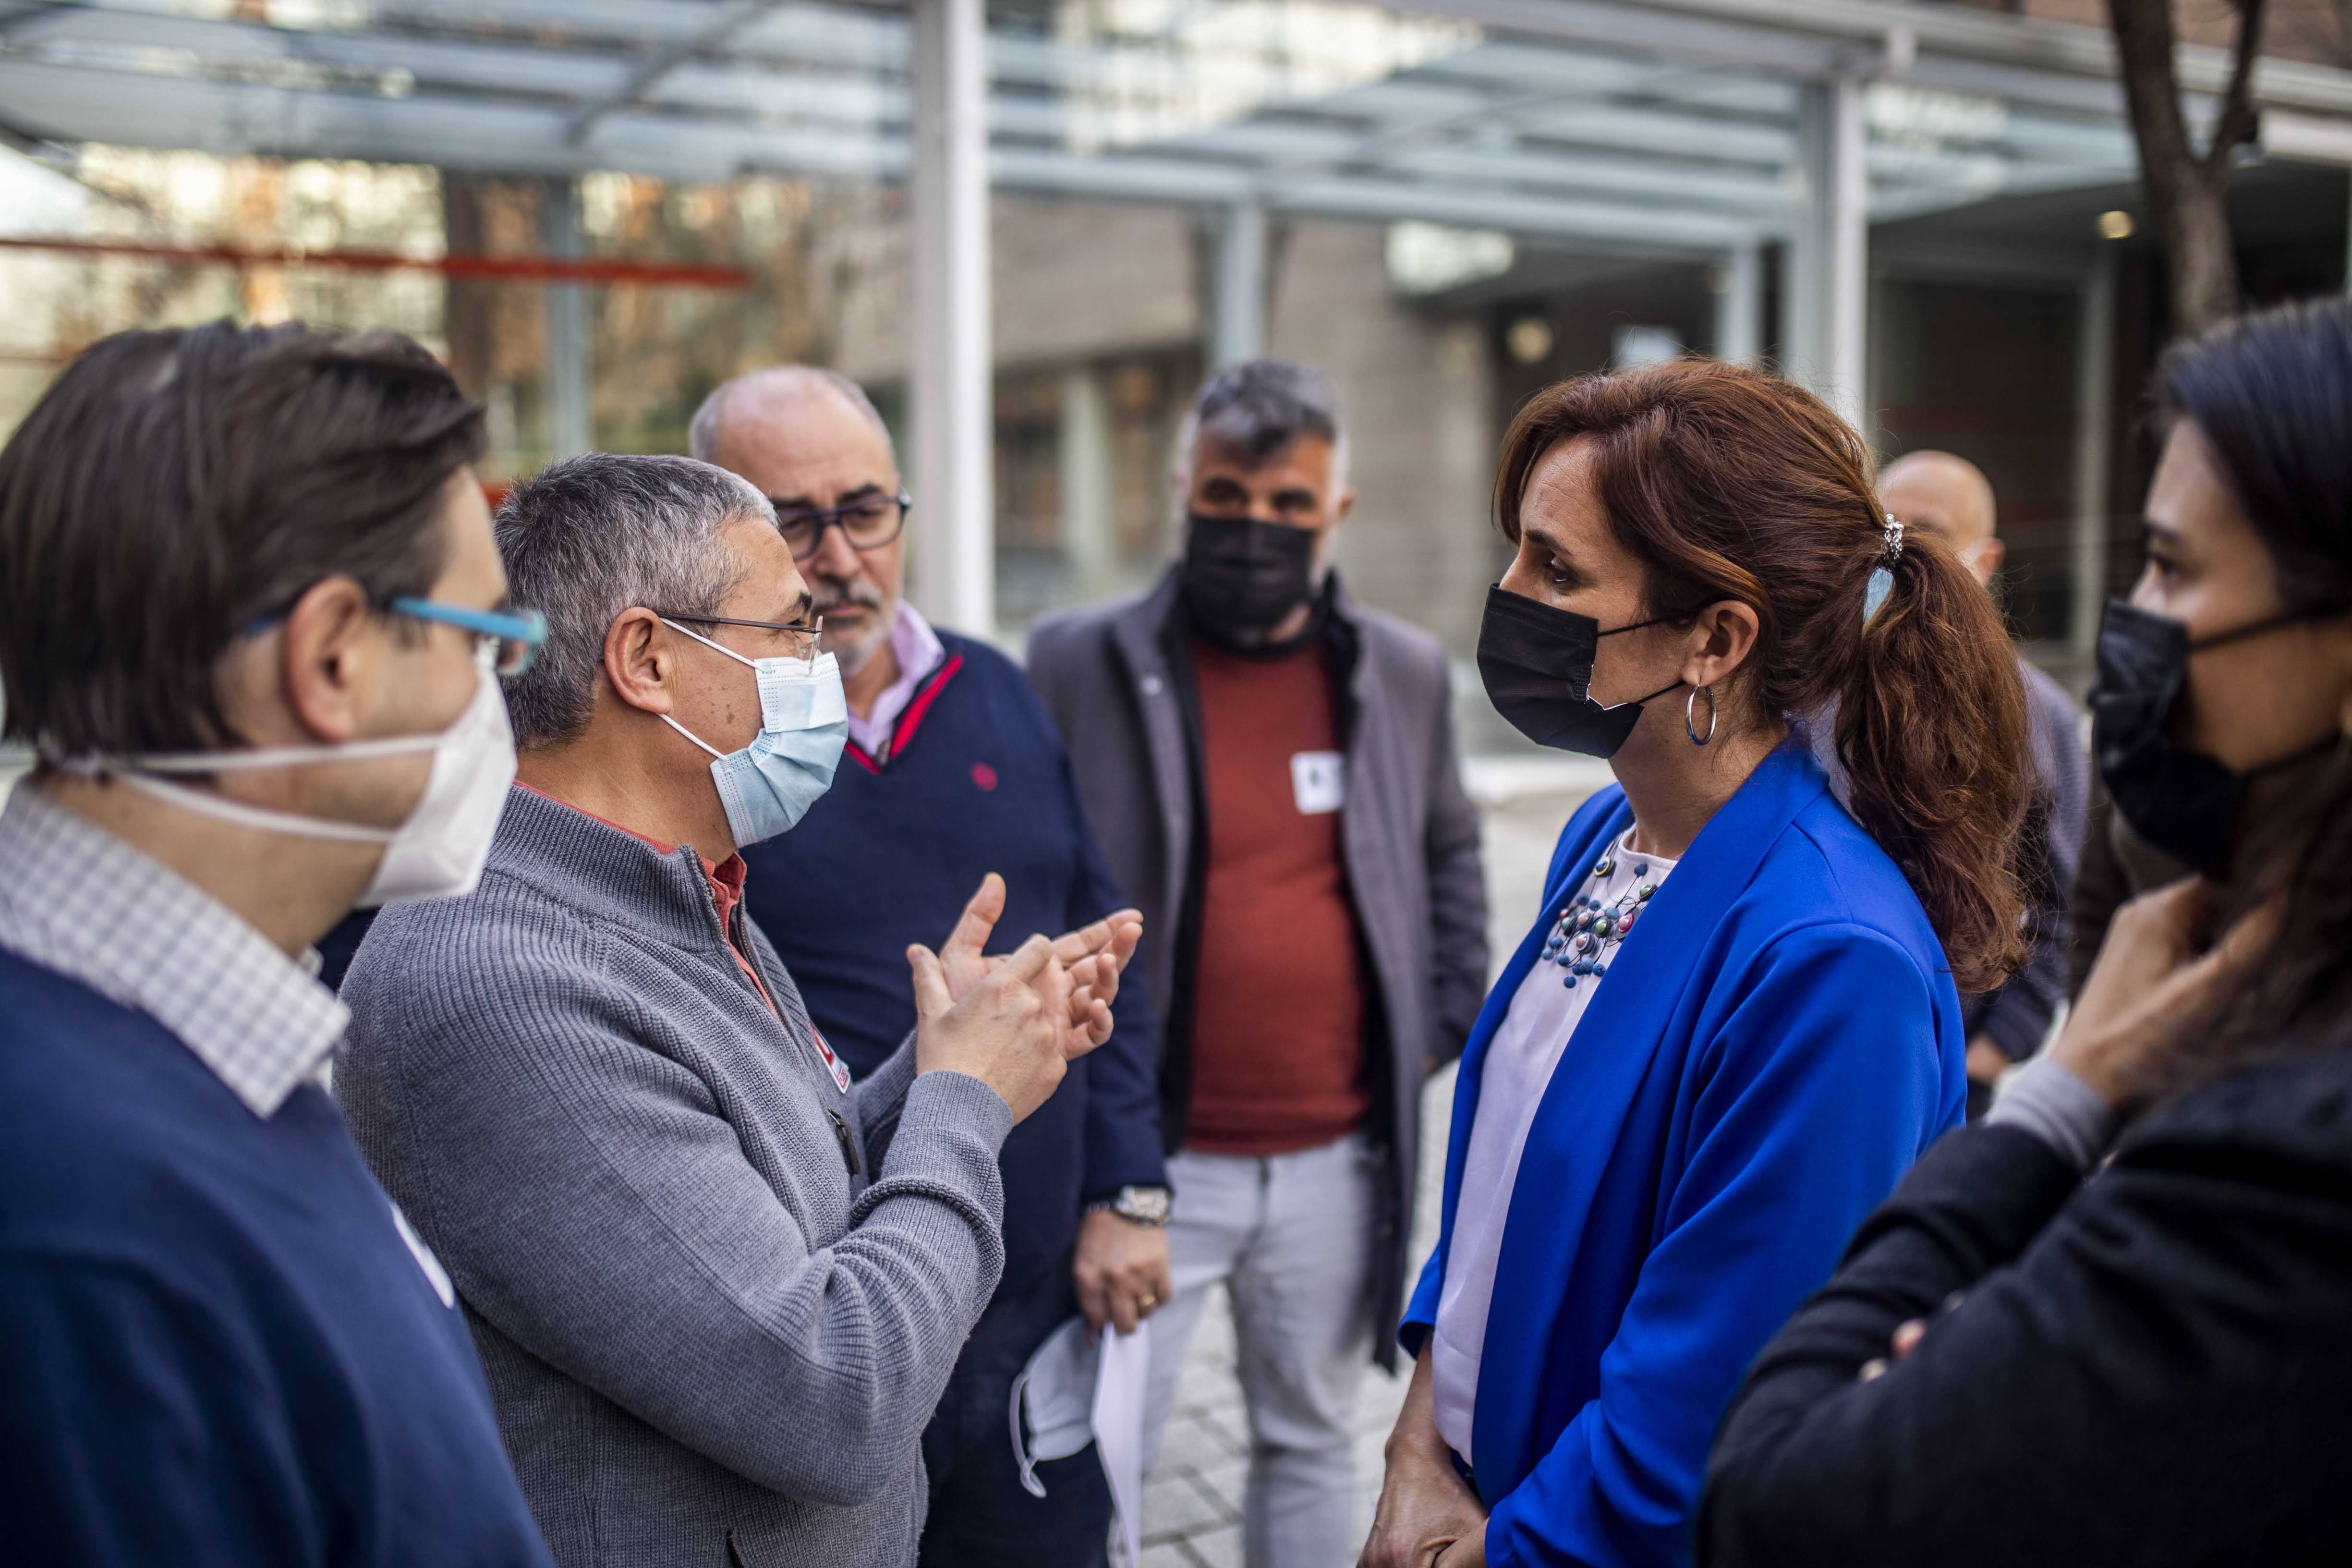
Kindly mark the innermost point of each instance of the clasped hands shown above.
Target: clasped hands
(1017, 1020)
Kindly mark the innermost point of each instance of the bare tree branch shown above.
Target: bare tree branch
(2187, 189)
(2236, 125)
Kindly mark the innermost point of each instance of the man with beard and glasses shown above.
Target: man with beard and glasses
(1273, 769)
(952, 771)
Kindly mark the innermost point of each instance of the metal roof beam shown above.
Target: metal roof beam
(2026, 57)
(1659, 230)
(722, 23)
(245, 117)
(502, 67)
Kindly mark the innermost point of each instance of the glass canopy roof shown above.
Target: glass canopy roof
(1667, 128)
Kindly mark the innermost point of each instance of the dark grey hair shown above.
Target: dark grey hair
(1260, 407)
(592, 536)
(702, 435)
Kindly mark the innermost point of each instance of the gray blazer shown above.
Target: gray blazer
(1407, 832)
(704, 1333)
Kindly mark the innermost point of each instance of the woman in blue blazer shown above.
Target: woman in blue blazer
(1735, 1022)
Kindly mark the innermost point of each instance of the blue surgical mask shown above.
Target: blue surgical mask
(768, 785)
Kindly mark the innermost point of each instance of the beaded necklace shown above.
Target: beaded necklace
(1588, 931)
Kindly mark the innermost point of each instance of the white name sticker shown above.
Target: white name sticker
(1319, 781)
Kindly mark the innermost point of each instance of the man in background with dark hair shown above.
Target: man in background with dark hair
(1951, 498)
(1273, 772)
(249, 619)
(952, 769)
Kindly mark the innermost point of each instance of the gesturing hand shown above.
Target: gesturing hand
(1010, 1030)
(1094, 955)
(2156, 991)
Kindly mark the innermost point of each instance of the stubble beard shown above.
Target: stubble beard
(854, 654)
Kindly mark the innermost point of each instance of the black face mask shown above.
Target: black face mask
(1241, 576)
(2182, 802)
(1537, 662)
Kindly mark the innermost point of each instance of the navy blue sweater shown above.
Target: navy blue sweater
(217, 1347)
(976, 782)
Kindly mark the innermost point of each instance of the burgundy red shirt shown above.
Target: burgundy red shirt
(1278, 1003)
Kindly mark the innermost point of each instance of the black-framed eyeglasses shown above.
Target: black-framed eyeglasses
(867, 524)
(803, 630)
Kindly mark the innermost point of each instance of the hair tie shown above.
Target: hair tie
(1882, 576)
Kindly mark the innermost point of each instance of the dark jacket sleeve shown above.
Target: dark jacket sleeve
(1123, 1146)
(2149, 1369)
(2017, 1016)
(1457, 891)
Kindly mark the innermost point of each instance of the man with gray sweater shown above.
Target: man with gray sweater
(717, 1286)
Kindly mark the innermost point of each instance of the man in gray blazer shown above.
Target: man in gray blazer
(1271, 770)
(717, 1286)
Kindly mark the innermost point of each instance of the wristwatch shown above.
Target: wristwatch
(1139, 1205)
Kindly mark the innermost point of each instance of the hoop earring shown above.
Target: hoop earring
(1690, 706)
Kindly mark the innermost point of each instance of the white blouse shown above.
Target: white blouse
(1526, 1045)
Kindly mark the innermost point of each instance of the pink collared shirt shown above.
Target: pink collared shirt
(919, 652)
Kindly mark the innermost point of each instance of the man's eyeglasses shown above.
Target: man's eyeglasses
(867, 524)
(802, 633)
(515, 635)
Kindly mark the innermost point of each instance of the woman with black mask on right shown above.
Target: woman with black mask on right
(2113, 1324)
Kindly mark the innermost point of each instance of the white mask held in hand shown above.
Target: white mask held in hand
(768, 785)
(436, 853)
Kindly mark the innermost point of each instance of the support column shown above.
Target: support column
(1805, 263)
(1089, 501)
(1238, 332)
(570, 422)
(953, 401)
(2093, 430)
(1827, 287)
(1739, 303)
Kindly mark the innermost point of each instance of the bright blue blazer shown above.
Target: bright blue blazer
(1778, 1041)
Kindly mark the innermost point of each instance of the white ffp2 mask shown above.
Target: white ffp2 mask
(436, 853)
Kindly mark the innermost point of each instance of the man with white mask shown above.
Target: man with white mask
(251, 624)
(717, 1285)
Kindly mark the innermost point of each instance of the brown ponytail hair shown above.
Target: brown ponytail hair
(1727, 483)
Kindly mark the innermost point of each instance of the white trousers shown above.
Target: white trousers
(1290, 1238)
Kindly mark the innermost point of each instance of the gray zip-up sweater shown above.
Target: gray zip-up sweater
(704, 1333)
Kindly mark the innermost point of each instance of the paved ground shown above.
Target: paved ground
(1193, 1500)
